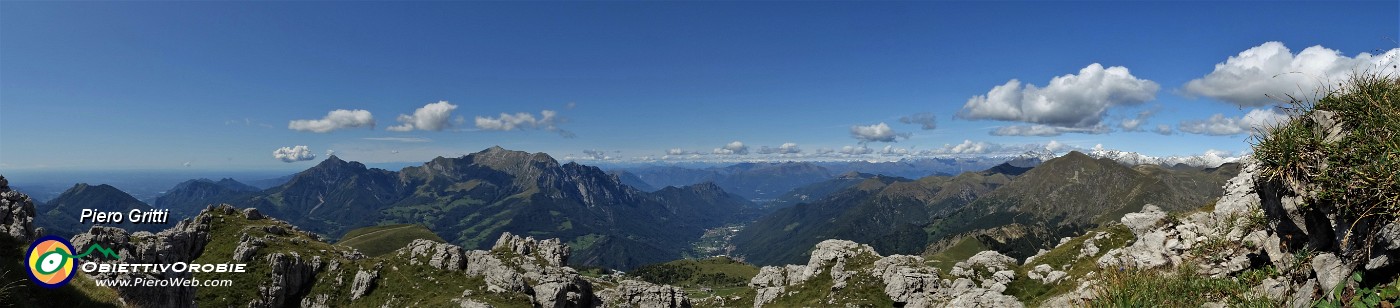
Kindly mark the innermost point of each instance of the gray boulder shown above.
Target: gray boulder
(363, 284)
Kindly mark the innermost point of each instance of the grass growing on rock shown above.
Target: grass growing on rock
(1356, 173)
(225, 230)
(862, 289)
(713, 282)
(1181, 287)
(400, 283)
(1066, 258)
(965, 248)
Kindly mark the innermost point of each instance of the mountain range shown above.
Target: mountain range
(1015, 209)
(471, 200)
(611, 222)
(750, 180)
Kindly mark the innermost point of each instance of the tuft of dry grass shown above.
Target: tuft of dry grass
(1359, 174)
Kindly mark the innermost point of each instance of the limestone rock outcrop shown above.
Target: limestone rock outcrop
(534, 270)
(632, 293)
(908, 280)
(552, 251)
(16, 213)
(364, 282)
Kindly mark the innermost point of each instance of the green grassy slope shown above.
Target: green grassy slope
(401, 283)
(379, 240)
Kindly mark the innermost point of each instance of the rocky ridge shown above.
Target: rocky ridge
(906, 280)
(1248, 228)
(16, 213)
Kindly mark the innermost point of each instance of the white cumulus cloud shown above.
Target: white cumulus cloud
(548, 120)
(433, 117)
(678, 151)
(875, 133)
(733, 148)
(789, 148)
(785, 148)
(1068, 101)
(336, 119)
(293, 154)
(1271, 69)
(968, 147)
(853, 150)
(891, 150)
(1220, 125)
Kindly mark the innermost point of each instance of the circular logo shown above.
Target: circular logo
(50, 261)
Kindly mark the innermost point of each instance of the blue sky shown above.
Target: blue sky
(217, 86)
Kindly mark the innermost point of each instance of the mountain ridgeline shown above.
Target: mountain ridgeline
(1016, 210)
(188, 197)
(473, 199)
(750, 180)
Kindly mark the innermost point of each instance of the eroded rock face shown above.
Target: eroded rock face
(247, 247)
(552, 251)
(16, 213)
(632, 293)
(292, 276)
(532, 272)
(1145, 220)
(1228, 235)
(771, 281)
(364, 282)
(965, 293)
(909, 280)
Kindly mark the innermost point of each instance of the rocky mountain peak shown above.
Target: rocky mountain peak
(335, 163)
(16, 213)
